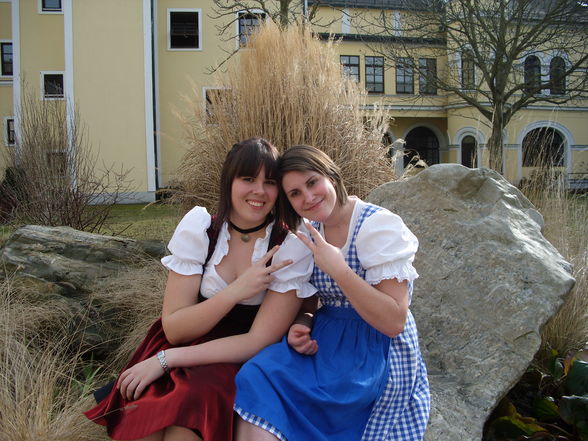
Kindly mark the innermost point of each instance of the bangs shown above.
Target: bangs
(251, 163)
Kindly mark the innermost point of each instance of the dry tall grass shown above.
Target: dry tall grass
(287, 87)
(566, 228)
(41, 393)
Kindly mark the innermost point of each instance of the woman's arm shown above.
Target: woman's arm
(271, 322)
(184, 320)
(384, 306)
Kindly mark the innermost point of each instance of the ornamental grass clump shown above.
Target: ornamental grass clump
(285, 86)
(43, 385)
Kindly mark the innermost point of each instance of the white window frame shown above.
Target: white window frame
(237, 34)
(51, 72)
(6, 77)
(187, 49)
(53, 11)
(5, 131)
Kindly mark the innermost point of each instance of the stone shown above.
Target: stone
(488, 282)
(71, 261)
(63, 266)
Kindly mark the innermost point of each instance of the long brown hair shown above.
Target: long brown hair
(246, 158)
(305, 158)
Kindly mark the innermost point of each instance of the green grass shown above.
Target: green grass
(139, 221)
(155, 221)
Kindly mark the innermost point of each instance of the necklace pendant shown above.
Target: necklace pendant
(245, 237)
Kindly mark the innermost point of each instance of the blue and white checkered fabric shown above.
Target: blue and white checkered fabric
(328, 290)
(260, 422)
(402, 411)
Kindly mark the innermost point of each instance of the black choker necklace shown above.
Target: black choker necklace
(245, 232)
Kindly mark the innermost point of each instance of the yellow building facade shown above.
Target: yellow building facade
(127, 67)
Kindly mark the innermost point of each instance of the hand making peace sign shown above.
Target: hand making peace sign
(258, 276)
(326, 256)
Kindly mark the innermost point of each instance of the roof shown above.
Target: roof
(377, 4)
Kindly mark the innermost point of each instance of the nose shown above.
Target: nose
(258, 187)
(307, 195)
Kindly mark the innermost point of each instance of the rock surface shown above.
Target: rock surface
(69, 261)
(488, 282)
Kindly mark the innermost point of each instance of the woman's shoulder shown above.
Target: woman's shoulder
(196, 216)
(382, 225)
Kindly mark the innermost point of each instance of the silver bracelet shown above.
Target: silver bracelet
(163, 361)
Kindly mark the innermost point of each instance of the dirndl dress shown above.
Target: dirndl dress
(360, 385)
(200, 397)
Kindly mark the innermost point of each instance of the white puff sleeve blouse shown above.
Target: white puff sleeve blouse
(189, 243)
(189, 248)
(386, 248)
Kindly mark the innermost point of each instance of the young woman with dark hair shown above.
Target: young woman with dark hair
(224, 301)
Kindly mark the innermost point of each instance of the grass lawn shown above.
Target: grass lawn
(136, 221)
(140, 221)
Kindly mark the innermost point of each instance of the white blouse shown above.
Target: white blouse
(189, 248)
(385, 246)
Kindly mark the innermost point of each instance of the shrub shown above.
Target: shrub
(56, 178)
(289, 89)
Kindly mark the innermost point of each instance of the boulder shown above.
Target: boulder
(69, 261)
(62, 266)
(488, 282)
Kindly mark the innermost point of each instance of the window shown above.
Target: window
(184, 29)
(6, 51)
(57, 162)
(52, 85)
(468, 151)
(428, 76)
(350, 65)
(9, 132)
(51, 5)
(468, 72)
(404, 76)
(557, 79)
(374, 74)
(248, 22)
(532, 75)
(543, 147)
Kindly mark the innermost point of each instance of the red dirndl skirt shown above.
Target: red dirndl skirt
(199, 398)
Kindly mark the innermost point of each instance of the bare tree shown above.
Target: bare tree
(55, 177)
(494, 50)
(246, 16)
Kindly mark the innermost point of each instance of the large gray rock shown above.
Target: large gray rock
(61, 266)
(489, 281)
(69, 261)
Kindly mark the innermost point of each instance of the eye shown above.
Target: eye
(293, 193)
(311, 182)
(247, 178)
(271, 182)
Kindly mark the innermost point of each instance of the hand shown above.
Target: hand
(299, 339)
(326, 256)
(257, 277)
(134, 380)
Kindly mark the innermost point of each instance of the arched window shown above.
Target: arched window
(468, 151)
(468, 72)
(532, 75)
(422, 141)
(557, 79)
(543, 147)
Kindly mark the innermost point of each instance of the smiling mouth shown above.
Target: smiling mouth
(256, 203)
(312, 207)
